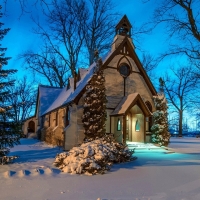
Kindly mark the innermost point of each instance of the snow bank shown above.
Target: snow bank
(94, 157)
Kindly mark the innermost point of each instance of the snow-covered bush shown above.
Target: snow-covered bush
(7, 159)
(93, 157)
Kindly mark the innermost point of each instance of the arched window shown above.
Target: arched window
(56, 118)
(137, 125)
(67, 116)
(49, 119)
(31, 126)
(119, 125)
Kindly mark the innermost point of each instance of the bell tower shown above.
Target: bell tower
(123, 27)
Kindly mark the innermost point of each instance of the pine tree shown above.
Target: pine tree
(7, 136)
(160, 134)
(94, 114)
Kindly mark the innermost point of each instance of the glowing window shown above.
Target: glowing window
(137, 126)
(119, 125)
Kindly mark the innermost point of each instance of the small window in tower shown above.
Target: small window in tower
(118, 125)
(137, 125)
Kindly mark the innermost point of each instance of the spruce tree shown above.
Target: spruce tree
(7, 136)
(160, 133)
(94, 114)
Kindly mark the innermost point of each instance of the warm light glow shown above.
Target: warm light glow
(137, 125)
(118, 125)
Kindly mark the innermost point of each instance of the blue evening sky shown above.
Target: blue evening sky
(21, 36)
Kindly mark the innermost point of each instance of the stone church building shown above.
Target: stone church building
(129, 92)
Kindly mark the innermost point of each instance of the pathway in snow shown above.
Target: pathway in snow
(31, 151)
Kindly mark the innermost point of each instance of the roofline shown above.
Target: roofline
(142, 106)
(136, 59)
(64, 105)
(28, 118)
(121, 21)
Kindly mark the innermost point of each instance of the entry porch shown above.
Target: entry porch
(130, 121)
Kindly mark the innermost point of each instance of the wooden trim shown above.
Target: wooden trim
(124, 129)
(119, 64)
(133, 55)
(124, 86)
(110, 108)
(110, 124)
(111, 67)
(122, 19)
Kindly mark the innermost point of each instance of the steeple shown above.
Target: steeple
(123, 27)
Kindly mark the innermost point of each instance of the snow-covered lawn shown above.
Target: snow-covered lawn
(157, 174)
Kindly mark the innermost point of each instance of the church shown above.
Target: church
(129, 93)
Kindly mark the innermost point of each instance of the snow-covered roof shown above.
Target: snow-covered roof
(129, 101)
(124, 104)
(53, 98)
(47, 96)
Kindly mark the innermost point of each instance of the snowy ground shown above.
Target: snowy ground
(157, 174)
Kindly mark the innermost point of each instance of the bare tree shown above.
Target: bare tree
(70, 24)
(63, 37)
(179, 89)
(182, 25)
(23, 99)
(100, 27)
(149, 63)
(49, 65)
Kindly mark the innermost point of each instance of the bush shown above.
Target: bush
(93, 157)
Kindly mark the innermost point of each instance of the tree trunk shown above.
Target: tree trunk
(180, 123)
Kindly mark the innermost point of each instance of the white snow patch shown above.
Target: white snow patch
(155, 175)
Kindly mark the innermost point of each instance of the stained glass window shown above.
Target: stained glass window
(119, 125)
(137, 125)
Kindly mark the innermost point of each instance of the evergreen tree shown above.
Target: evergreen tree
(94, 114)
(160, 134)
(7, 135)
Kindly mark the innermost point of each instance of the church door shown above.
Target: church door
(31, 127)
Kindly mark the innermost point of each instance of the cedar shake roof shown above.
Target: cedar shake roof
(128, 102)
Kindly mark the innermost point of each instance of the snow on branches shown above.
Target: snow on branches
(94, 114)
(7, 159)
(93, 157)
(160, 134)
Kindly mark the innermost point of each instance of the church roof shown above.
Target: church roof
(47, 96)
(52, 98)
(58, 97)
(128, 102)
